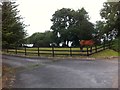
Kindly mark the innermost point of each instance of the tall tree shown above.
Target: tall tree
(71, 25)
(111, 14)
(12, 28)
(61, 21)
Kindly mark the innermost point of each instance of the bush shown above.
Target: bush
(116, 44)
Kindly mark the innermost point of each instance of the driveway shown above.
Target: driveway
(45, 73)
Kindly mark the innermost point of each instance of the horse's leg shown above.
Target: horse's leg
(81, 48)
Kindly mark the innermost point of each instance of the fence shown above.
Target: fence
(56, 51)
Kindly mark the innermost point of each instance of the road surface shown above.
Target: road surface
(45, 73)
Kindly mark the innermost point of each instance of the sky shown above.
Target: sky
(37, 13)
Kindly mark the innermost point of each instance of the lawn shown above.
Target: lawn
(106, 53)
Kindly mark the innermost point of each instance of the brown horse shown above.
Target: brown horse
(86, 43)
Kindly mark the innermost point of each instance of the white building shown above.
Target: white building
(27, 45)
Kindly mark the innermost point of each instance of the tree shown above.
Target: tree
(61, 21)
(12, 28)
(111, 14)
(36, 39)
(71, 25)
(40, 39)
(99, 31)
(48, 38)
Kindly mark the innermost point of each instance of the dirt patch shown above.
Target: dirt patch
(8, 76)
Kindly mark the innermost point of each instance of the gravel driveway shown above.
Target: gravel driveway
(44, 73)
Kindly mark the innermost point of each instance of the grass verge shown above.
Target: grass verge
(106, 53)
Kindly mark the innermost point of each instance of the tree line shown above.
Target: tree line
(68, 25)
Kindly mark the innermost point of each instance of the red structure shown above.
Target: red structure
(86, 43)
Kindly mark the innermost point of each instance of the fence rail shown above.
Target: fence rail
(55, 51)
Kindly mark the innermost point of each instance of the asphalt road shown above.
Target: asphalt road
(43, 73)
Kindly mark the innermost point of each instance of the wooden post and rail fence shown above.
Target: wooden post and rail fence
(57, 51)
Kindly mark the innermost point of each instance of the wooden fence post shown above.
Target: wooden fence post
(104, 44)
(25, 50)
(96, 48)
(109, 45)
(15, 50)
(7, 50)
(38, 51)
(91, 50)
(53, 51)
(87, 51)
(70, 52)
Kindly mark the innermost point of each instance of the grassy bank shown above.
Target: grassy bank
(106, 53)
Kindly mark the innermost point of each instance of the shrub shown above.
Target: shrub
(116, 44)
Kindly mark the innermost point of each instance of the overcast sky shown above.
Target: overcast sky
(37, 13)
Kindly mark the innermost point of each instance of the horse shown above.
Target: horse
(86, 43)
